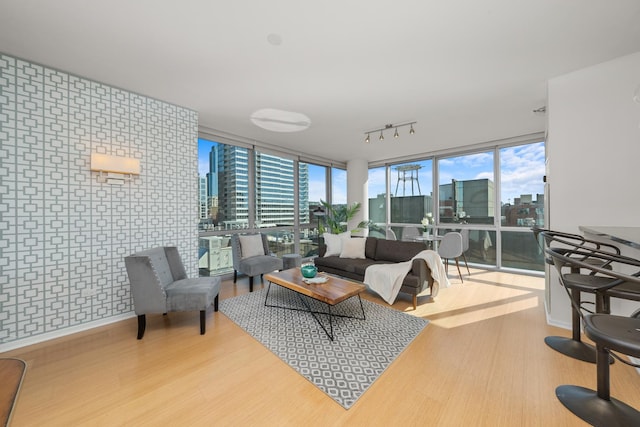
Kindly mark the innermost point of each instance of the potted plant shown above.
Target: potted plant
(337, 217)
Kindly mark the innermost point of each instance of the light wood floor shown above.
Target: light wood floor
(480, 362)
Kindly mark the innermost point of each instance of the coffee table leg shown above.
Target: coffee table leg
(313, 313)
(362, 308)
(330, 321)
(267, 295)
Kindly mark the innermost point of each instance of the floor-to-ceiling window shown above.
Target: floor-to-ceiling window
(466, 188)
(496, 194)
(245, 190)
(224, 202)
(411, 196)
(310, 222)
(522, 170)
(338, 186)
(377, 189)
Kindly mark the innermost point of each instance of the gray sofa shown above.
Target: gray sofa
(381, 251)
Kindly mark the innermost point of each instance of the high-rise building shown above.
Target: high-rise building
(274, 187)
(202, 198)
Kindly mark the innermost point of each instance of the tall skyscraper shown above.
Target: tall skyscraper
(274, 187)
(203, 198)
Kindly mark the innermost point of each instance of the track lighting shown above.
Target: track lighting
(396, 134)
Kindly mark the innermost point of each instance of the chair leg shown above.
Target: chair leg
(415, 302)
(459, 273)
(235, 275)
(215, 303)
(251, 284)
(142, 324)
(203, 321)
(464, 257)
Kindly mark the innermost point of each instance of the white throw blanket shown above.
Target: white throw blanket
(386, 279)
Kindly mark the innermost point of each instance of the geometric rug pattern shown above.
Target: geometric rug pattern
(343, 368)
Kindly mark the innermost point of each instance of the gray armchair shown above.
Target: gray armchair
(159, 284)
(251, 256)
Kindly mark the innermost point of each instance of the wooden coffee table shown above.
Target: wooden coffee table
(332, 292)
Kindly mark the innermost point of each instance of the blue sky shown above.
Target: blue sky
(522, 169)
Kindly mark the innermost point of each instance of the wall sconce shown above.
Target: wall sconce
(389, 126)
(114, 169)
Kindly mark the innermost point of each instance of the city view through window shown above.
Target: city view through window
(466, 192)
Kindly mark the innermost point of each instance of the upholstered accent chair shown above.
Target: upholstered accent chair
(251, 256)
(159, 284)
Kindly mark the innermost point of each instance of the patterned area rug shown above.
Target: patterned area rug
(344, 368)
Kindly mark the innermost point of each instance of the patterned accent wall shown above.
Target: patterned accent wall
(63, 234)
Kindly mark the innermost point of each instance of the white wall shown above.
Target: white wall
(63, 235)
(593, 150)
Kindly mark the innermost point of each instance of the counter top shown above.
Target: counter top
(629, 236)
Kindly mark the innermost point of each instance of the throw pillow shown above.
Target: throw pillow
(251, 245)
(334, 242)
(353, 248)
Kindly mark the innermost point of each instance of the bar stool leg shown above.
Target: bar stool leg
(598, 408)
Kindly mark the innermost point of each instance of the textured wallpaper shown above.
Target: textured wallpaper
(63, 234)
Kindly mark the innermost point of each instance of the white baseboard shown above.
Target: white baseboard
(63, 332)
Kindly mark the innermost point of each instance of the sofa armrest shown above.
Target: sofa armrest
(420, 268)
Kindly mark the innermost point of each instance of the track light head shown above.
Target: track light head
(395, 135)
(367, 139)
(381, 138)
(411, 131)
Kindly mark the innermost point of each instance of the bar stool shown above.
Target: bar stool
(611, 334)
(576, 283)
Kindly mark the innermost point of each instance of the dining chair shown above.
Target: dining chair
(451, 248)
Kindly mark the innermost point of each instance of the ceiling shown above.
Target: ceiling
(466, 71)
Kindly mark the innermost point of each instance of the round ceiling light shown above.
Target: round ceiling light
(279, 120)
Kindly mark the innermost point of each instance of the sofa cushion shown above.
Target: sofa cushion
(334, 242)
(397, 251)
(335, 262)
(370, 247)
(353, 248)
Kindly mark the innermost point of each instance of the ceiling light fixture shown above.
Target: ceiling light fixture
(280, 121)
(390, 126)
